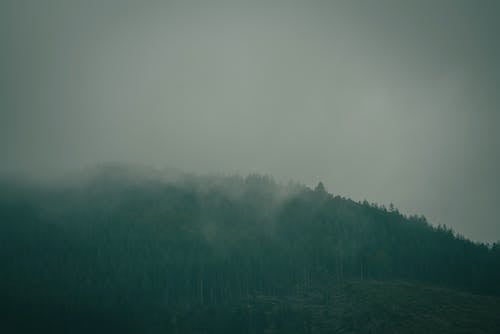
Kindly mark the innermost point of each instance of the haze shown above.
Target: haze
(389, 101)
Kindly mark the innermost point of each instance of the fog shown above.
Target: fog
(389, 101)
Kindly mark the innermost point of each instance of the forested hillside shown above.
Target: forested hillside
(141, 252)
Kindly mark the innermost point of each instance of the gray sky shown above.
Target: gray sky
(392, 101)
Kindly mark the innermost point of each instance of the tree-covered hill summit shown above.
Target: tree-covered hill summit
(126, 244)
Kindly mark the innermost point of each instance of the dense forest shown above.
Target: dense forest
(127, 251)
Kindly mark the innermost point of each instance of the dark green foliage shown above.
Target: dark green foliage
(129, 253)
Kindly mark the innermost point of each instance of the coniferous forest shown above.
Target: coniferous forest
(121, 251)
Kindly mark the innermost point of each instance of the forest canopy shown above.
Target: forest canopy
(135, 240)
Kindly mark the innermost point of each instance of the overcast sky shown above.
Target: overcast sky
(392, 101)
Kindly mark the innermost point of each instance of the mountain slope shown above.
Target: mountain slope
(151, 249)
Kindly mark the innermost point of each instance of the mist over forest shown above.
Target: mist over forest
(386, 101)
(249, 166)
(142, 250)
